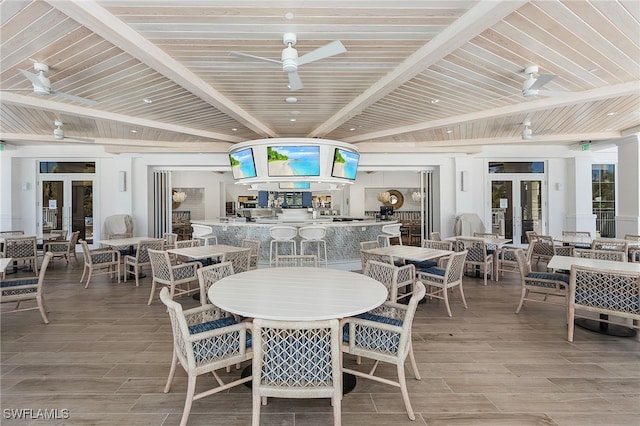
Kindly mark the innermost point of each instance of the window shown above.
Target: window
(603, 191)
(67, 167)
(516, 167)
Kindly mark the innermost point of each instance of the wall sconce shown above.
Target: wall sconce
(178, 198)
(383, 197)
(464, 180)
(122, 181)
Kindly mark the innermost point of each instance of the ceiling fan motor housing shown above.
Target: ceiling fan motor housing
(289, 59)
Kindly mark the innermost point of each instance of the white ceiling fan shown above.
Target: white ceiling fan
(58, 133)
(290, 60)
(528, 133)
(534, 81)
(42, 85)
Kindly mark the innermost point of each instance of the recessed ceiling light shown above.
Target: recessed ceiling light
(288, 15)
(435, 101)
(235, 129)
(134, 131)
(294, 112)
(292, 119)
(449, 131)
(611, 113)
(147, 100)
(291, 100)
(352, 129)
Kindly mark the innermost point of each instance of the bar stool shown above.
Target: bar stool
(314, 234)
(281, 234)
(204, 234)
(390, 231)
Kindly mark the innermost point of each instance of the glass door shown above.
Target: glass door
(67, 203)
(517, 207)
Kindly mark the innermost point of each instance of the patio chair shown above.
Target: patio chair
(254, 245)
(204, 341)
(209, 275)
(366, 255)
(100, 261)
(291, 260)
(438, 280)
(384, 335)
(581, 234)
(393, 277)
(389, 232)
(478, 255)
(170, 239)
(63, 249)
(172, 276)
(296, 359)
(618, 245)
(20, 290)
(543, 248)
(240, 259)
(133, 264)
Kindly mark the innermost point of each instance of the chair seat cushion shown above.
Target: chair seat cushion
(433, 271)
(424, 264)
(14, 283)
(211, 325)
(380, 318)
(549, 276)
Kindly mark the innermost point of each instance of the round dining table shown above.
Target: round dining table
(298, 294)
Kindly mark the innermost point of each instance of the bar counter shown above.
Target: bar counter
(342, 238)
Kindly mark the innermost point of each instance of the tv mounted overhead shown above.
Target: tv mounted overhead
(290, 160)
(345, 164)
(243, 164)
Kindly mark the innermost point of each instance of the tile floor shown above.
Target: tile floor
(105, 357)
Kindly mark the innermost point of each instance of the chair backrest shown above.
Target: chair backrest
(200, 230)
(160, 265)
(435, 236)
(240, 259)
(530, 236)
(142, 252)
(312, 232)
(121, 224)
(170, 238)
(254, 245)
(308, 260)
(524, 265)
(632, 237)
(605, 291)
(283, 232)
(366, 256)
(543, 245)
(392, 229)
(437, 244)
(209, 275)
(366, 245)
(20, 247)
(618, 245)
(454, 266)
(10, 233)
(75, 235)
(187, 243)
(586, 234)
(60, 234)
(121, 235)
(614, 255)
(391, 276)
(486, 234)
(477, 249)
(295, 358)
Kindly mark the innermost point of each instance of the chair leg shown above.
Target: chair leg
(172, 372)
(89, 277)
(414, 365)
(255, 417)
(464, 301)
(405, 393)
(445, 296)
(191, 389)
(41, 309)
(136, 272)
(522, 297)
(153, 289)
(570, 325)
(337, 410)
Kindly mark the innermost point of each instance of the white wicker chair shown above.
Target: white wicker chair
(542, 283)
(366, 245)
(294, 359)
(170, 239)
(25, 289)
(605, 292)
(22, 248)
(209, 275)
(614, 255)
(478, 255)
(384, 335)
(366, 255)
(290, 260)
(63, 249)
(240, 259)
(440, 279)
(393, 277)
(388, 232)
(99, 262)
(204, 341)
(254, 245)
(173, 276)
(204, 234)
(133, 264)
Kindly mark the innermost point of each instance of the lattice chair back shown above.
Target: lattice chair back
(367, 245)
(294, 260)
(58, 234)
(187, 243)
(605, 292)
(22, 248)
(366, 256)
(486, 234)
(477, 249)
(170, 239)
(585, 234)
(205, 340)
(254, 245)
(160, 265)
(240, 259)
(435, 236)
(454, 270)
(296, 359)
(543, 247)
(616, 256)
(211, 274)
(438, 244)
(619, 245)
(25, 289)
(393, 277)
(384, 335)
(142, 252)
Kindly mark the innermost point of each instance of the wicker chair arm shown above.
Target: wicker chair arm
(558, 285)
(241, 327)
(353, 321)
(390, 309)
(53, 246)
(426, 277)
(406, 273)
(182, 268)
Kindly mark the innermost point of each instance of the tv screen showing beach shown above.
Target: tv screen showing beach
(345, 164)
(295, 185)
(293, 160)
(242, 164)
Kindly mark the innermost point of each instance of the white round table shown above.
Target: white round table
(297, 294)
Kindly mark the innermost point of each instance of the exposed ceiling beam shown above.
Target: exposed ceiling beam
(93, 16)
(622, 89)
(482, 16)
(58, 107)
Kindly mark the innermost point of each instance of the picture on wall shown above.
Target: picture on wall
(293, 160)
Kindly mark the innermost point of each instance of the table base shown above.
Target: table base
(605, 328)
(348, 380)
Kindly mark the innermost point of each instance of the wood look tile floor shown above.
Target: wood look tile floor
(105, 357)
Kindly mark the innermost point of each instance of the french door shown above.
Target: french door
(517, 206)
(67, 203)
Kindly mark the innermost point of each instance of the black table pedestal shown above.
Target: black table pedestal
(605, 328)
(348, 380)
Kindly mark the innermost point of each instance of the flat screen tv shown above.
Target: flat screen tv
(242, 164)
(293, 161)
(345, 164)
(386, 210)
(295, 185)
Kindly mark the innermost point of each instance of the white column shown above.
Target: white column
(580, 215)
(6, 202)
(628, 197)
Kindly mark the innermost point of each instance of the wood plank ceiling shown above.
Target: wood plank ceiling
(416, 76)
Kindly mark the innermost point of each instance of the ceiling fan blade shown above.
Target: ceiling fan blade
(552, 93)
(541, 81)
(74, 98)
(34, 79)
(247, 56)
(331, 49)
(294, 81)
